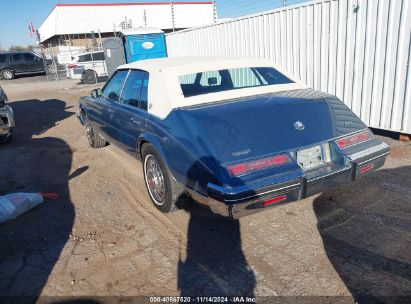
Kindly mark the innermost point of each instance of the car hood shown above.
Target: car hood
(267, 124)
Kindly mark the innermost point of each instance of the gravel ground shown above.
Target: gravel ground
(104, 237)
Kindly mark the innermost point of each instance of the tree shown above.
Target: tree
(20, 48)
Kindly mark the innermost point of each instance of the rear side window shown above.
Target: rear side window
(97, 56)
(112, 89)
(144, 94)
(91, 57)
(135, 90)
(16, 57)
(2, 58)
(84, 58)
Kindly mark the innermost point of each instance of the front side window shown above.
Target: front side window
(2, 58)
(230, 79)
(28, 57)
(135, 90)
(112, 89)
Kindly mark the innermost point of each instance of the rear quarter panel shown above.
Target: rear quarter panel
(184, 151)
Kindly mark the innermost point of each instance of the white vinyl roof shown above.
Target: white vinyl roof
(73, 19)
(164, 91)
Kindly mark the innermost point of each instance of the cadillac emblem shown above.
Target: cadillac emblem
(298, 125)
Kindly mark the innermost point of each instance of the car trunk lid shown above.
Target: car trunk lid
(268, 124)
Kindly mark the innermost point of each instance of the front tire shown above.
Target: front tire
(94, 138)
(165, 192)
(7, 74)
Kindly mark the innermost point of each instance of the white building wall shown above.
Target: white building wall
(78, 19)
(362, 56)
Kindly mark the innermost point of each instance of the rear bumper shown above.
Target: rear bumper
(73, 74)
(243, 200)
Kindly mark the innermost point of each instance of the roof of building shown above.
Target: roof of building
(69, 19)
(164, 73)
(140, 30)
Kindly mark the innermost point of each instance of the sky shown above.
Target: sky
(16, 14)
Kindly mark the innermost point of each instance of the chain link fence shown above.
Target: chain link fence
(79, 57)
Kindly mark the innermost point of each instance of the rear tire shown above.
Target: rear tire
(165, 192)
(94, 138)
(89, 77)
(7, 74)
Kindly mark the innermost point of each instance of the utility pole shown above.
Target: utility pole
(214, 12)
(284, 2)
(172, 13)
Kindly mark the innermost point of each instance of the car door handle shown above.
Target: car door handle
(136, 122)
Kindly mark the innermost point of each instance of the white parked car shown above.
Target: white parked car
(88, 67)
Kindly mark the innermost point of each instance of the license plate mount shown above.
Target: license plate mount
(313, 157)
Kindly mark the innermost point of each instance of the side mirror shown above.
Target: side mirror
(96, 93)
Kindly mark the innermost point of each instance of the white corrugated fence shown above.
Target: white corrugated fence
(358, 50)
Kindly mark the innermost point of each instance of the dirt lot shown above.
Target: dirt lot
(103, 236)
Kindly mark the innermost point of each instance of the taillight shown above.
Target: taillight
(274, 200)
(71, 66)
(367, 168)
(257, 165)
(347, 141)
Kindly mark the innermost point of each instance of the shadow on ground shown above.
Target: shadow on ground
(214, 263)
(32, 243)
(367, 235)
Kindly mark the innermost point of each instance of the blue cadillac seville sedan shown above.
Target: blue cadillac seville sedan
(238, 135)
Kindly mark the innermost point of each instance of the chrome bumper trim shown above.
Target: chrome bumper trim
(369, 151)
(236, 208)
(264, 193)
(374, 158)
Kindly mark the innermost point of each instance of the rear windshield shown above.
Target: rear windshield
(230, 79)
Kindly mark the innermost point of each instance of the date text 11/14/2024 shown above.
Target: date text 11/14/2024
(200, 299)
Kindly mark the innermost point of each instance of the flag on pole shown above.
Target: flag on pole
(31, 29)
